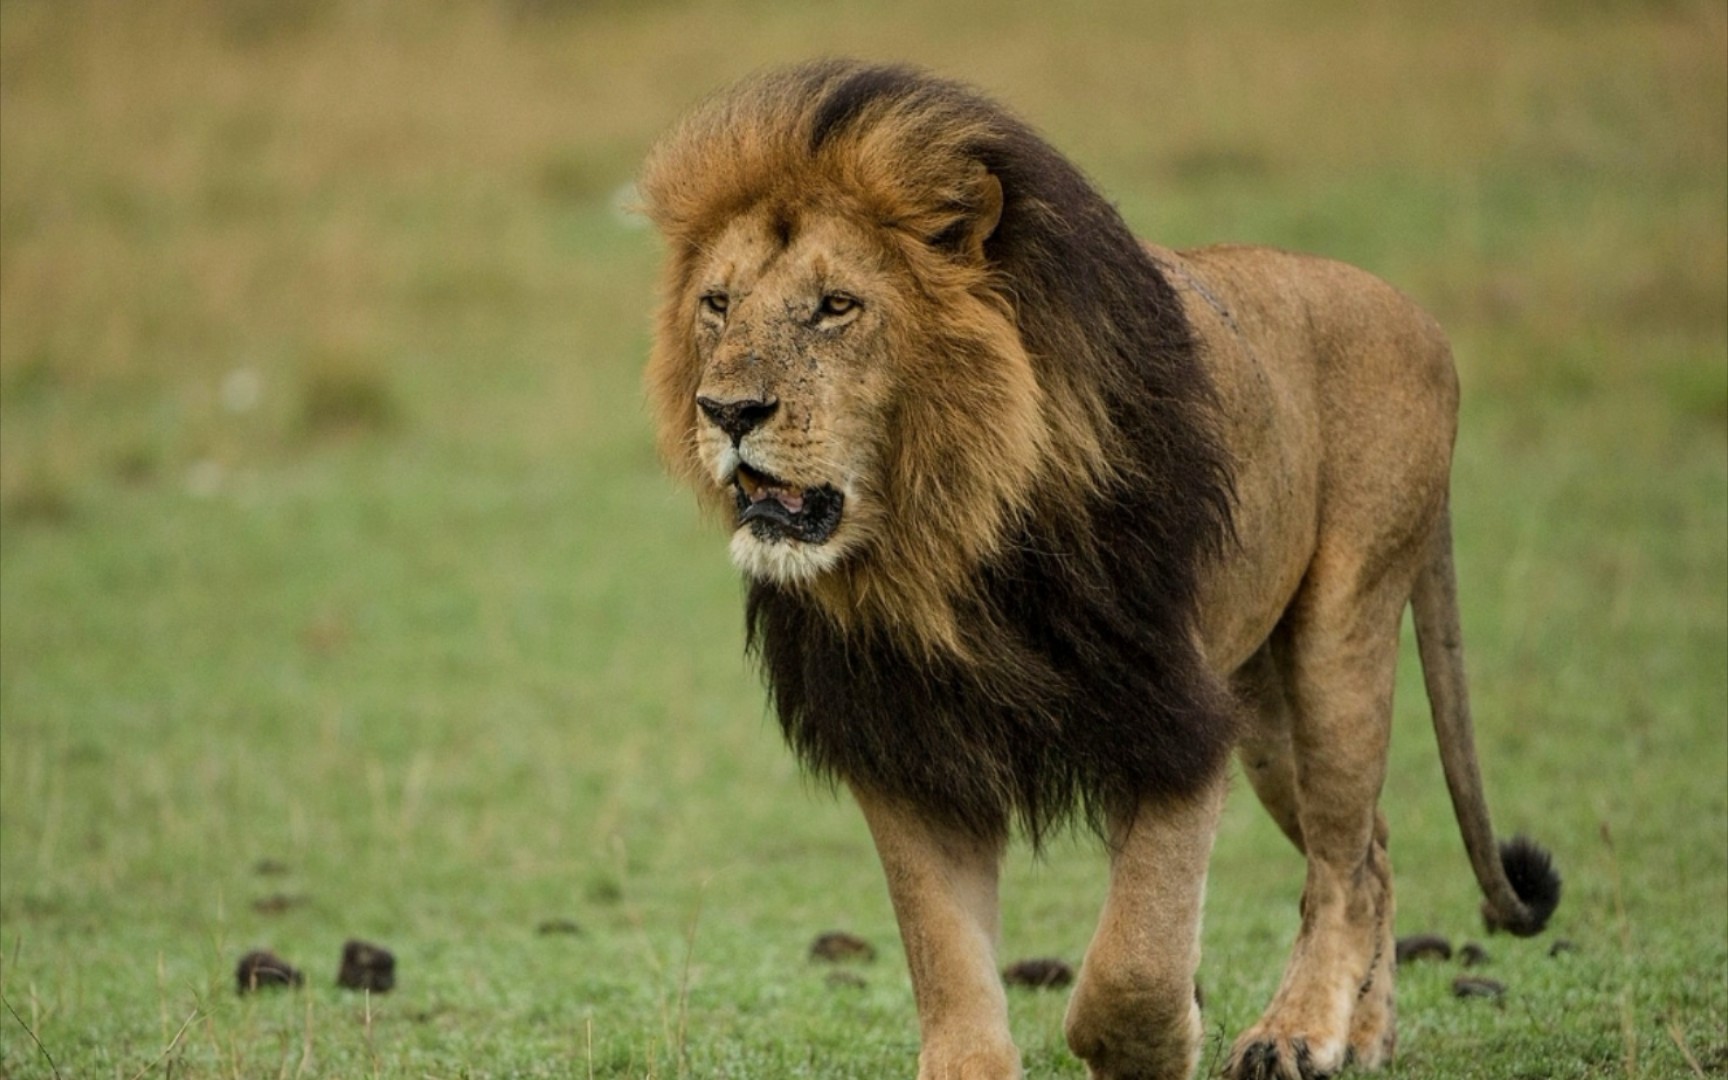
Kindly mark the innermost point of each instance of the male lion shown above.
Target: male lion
(1040, 520)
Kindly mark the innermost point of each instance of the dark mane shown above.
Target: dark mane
(1080, 685)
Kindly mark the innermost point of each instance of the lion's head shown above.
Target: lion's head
(870, 357)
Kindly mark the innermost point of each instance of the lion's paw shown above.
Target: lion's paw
(1269, 1057)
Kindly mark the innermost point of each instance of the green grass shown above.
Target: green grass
(332, 542)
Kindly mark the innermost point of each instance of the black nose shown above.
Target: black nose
(738, 418)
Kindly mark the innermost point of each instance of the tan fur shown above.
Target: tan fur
(1336, 401)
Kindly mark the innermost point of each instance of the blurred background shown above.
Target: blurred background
(341, 593)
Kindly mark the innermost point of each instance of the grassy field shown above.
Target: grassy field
(341, 594)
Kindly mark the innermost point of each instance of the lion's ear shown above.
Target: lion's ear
(983, 212)
(988, 213)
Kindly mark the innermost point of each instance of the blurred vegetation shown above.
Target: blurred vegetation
(335, 564)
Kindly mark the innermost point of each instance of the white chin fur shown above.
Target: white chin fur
(785, 562)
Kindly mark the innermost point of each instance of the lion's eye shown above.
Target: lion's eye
(834, 304)
(716, 302)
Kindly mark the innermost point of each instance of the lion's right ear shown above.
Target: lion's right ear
(978, 219)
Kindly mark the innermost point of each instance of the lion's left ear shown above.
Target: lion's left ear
(978, 220)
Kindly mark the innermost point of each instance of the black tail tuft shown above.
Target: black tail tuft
(1530, 870)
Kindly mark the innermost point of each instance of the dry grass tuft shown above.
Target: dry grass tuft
(38, 500)
(345, 395)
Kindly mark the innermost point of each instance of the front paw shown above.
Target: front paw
(1129, 1036)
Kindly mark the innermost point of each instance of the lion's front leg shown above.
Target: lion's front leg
(1134, 1012)
(943, 883)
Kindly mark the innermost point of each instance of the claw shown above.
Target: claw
(1263, 1061)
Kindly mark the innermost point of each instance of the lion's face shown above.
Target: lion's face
(854, 400)
(793, 332)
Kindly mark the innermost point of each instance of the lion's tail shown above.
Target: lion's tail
(1518, 879)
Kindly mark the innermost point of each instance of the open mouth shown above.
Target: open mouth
(776, 510)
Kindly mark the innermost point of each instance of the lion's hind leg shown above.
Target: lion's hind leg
(1268, 758)
(1335, 1003)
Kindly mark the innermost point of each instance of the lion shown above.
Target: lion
(1040, 523)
